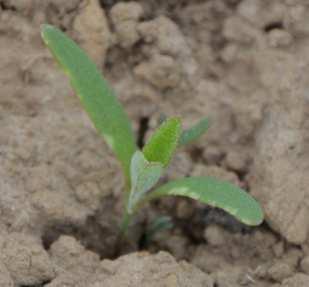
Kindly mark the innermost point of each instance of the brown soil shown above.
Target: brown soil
(242, 63)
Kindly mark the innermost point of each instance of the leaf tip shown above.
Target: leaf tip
(162, 144)
(44, 30)
(256, 219)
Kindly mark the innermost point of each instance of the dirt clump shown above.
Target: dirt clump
(125, 18)
(79, 267)
(142, 269)
(280, 148)
(298, 280)
(5, 277)
(25, 261)
(92, 30)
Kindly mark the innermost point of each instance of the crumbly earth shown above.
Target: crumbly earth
(242, 63)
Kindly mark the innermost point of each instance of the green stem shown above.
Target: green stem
(121, 238)
(126, 219)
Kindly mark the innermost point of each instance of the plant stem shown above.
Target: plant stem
(123, 229)
(126, 219)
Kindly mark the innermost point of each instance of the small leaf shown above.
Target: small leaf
(97, 98)
(163, 142)
(159, 224)
(144, 175)
(194, 132)
(216, 193)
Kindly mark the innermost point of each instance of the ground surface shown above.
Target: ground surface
(244, 64)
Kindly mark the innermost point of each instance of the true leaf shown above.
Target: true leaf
(215, 193)
(144, 175)
(97, 98)
(159, 224)
(194, 132)
(162, 144)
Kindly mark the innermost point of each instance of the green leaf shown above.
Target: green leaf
(216, 193)
(159, 224)
(163, 142)
(144, 175)
(194, 132)
(97, 98)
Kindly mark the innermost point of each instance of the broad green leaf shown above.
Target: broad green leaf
(97, 98)
(162, 145)
(216, 193)
(194, 132)
(144, 175)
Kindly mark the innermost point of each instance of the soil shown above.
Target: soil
(242, 63)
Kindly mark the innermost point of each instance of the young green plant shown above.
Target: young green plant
(142, 169)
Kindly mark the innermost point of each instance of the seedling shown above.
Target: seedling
(142, 169)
